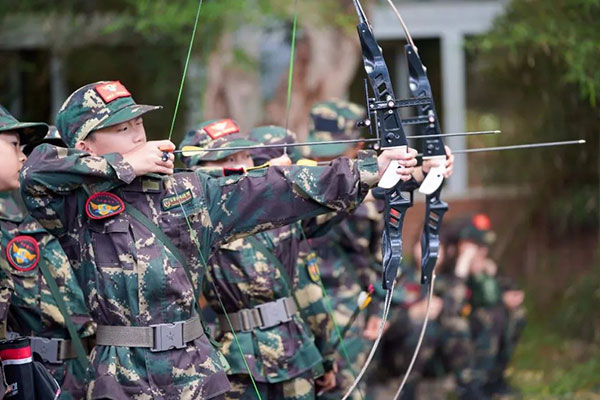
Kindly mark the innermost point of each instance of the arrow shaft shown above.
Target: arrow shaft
(368, 140)
(516, 147)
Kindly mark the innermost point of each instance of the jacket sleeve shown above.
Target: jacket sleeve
(267, 198)
(51, 174)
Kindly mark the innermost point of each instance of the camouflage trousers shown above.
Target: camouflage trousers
(71, 378)
(301, 387)
(446, 348)
(496, 332)
(353, 348)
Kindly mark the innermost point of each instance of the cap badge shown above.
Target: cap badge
(220, 128)
(110, 91)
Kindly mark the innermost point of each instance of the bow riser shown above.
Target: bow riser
(435, 209)
(433, 147)
(395, 210)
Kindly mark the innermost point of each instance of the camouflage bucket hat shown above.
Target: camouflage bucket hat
(96, 106)
(272, 134)
(52, 137)
(214, 134)
(29, 132)
(333, 120)
(479, 230)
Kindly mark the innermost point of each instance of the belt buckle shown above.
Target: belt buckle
(167, 336)
(46, 348)
(273, 313)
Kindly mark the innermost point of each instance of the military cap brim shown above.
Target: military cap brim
(126, 114)
(30, 133)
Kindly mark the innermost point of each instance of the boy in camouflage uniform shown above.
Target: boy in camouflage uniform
(447, 346)
(258, 281)
(349, 253)
(137, 239)
(28, 306)
(498, 316)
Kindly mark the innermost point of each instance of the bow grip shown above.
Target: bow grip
(433, 180)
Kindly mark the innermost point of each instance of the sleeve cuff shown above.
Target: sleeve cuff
(368, 168)
(123, 169)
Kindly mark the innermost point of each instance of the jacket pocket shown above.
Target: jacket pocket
(113, 244)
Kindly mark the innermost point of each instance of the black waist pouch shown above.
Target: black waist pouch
(26, 378)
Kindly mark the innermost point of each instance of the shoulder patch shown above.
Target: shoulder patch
(220, 128)
(103, 205)
(23, 253)
(110, 91)
(173, 201)
(312, 267)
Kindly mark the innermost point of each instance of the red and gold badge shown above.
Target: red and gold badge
(23, 253)
(312, 267)
(103, 205)
(220, 128)
(110, 91)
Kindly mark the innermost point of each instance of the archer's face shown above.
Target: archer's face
(120, 138)
(12, 160)
(241, 159)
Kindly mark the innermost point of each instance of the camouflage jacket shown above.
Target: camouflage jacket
(33, 310)
(245, 278)
(130, 278)
(350, 253)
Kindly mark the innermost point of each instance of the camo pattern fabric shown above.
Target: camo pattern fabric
(495, 328)
(349, 263)
(245, 278)
(301, 387)
(130, 278)
(333, 120)
(446, 347)
(33, 310)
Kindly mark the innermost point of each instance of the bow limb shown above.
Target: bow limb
(383, 108)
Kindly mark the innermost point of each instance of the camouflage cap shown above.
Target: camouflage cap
(479, 230)
(272, 134)
(214, 134)
(333, 120)
(96, 106)
(52, 137)
(29, 132)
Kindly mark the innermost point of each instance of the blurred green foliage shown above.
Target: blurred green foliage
(539, 69)
(549, 365)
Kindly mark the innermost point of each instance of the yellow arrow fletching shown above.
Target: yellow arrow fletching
(189, 151)
(307, 163)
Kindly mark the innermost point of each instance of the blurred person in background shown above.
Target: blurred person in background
(498, 316)
(447, 346)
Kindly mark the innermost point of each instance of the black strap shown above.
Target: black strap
(75, 339)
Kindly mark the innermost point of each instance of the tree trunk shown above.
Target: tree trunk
(324, 67)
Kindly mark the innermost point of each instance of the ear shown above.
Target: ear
(85, 146)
